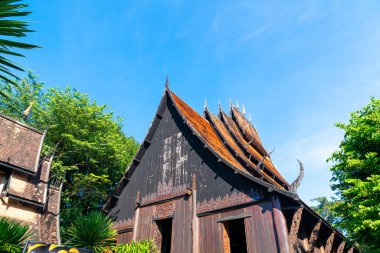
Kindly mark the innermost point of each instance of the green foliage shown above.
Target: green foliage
(146, 246)
(92, 231)
(91, 152)
(11, 29)
(324, 208)
(12, 235)
(356, 178)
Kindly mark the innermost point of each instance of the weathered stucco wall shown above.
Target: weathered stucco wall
(25, 214)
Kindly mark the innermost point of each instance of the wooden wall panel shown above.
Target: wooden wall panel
(182, 234)
(263, 234)
(280, 225)
(125, 237)
(211, 234)
(144, 228)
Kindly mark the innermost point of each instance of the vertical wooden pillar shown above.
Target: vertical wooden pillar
(294, 228)
(195, 222)
(135, 225)
(280, 225)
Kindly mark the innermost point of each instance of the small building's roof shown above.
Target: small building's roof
(31, 190)
(20, 145)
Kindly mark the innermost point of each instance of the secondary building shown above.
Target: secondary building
(25, 192)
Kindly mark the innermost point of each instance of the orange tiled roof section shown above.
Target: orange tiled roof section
(205, 131)
(231, 125)
(248, 130)
(221, 128)
(224, 132)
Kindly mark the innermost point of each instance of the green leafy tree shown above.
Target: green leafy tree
(324, 208)
(91, 152)
(12, 235)
(10, 29)
(92, 231)
(356, 178)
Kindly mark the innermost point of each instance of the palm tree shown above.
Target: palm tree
(12, 235)
(92, 231)
(10, 28)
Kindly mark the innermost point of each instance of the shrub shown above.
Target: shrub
(146, 246)
(12, 235)
(93, 231)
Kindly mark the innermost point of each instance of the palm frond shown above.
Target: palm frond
(93, 231)
(12, 234)
(11, 28)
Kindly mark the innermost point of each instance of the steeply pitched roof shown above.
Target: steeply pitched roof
(248, 130)
(229, 142)
(205, 131)
(207, 135)
(268, 167)
(20, 145)
(224, 137)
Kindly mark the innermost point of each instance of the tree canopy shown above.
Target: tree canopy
(91, 152)
(356, 179)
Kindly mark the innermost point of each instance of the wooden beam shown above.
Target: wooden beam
(293, 232)
(314, 236)
(341, 247)
(330, 242)
(195, 222)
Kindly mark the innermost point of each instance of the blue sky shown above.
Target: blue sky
(297, 66)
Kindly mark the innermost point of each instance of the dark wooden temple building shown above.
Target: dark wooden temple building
(207, 184)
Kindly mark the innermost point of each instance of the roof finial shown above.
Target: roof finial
(219, 105)
(26, 112)
(205, 105)
(231, 105)
(249, 118)
(243, 110)
(167, 82)
(237, 104)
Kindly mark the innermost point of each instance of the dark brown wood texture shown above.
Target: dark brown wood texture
(329, 243)
(314, 236)
(259, 229)
(294, 230)
(181, 237)
(125, 237)
(280, 225)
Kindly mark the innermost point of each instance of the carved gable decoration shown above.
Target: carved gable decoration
(233, 199)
